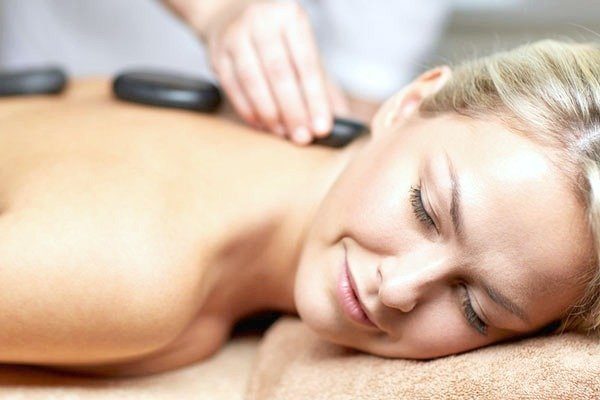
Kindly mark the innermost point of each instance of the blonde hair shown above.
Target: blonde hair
(548, 91)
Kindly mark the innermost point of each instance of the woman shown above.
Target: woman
(134, 238)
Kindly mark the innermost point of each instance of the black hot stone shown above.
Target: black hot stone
(30, 81)
(344, 131)
(166, 89)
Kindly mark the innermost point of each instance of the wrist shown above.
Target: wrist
(213, 19)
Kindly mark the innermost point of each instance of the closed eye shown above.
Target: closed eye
(470, 314)
(418, 207)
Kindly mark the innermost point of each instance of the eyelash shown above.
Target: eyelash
(419, 211)
(470, 313)
(418, 208)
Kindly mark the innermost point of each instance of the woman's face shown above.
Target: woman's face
(521, 241)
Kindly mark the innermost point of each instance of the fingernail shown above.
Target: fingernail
(321, 124)
(302, 135)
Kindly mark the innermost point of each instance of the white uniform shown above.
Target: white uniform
(371, 47)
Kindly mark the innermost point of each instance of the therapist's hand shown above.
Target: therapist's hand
(267, 61)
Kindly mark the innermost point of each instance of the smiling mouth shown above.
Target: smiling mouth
(348, 298)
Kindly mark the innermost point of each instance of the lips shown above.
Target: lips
(348, 297)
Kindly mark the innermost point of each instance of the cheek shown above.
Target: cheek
(370, 197)
(315, 283)
(371, 200)
(364, 203)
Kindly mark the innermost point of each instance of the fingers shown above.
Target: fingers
(305, 57)
(268, 63)
(284, 83)
(254, 83)
(224, 68)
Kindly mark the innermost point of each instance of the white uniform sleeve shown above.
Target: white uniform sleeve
(97, 37)
(375, 47)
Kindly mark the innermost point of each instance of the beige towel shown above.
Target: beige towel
(221, 377)
(294, 364)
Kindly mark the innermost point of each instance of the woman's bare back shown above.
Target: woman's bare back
(113, 217)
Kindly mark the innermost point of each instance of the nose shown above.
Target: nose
(406, 280)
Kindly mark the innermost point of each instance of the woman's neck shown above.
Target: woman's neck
(266, 281)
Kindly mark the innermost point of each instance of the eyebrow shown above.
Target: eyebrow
(458, 227)
(455, 205)
(506, 303)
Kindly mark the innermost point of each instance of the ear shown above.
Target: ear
(406, 102)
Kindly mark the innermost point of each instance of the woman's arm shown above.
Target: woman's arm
(200, 15)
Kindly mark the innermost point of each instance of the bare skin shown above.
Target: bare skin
(125, 229)
(167, 227)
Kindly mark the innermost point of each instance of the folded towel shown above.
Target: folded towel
(220, 377)
(294, 363)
